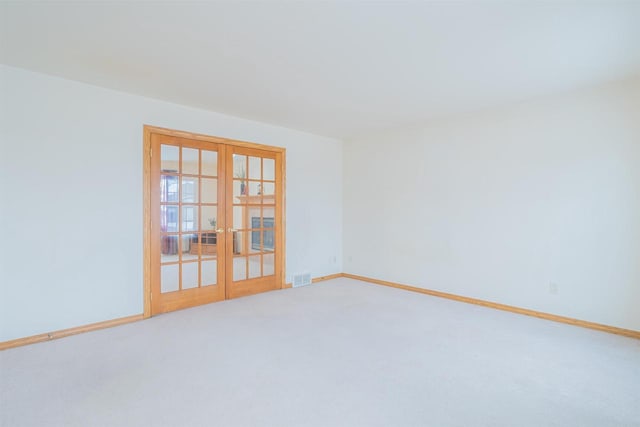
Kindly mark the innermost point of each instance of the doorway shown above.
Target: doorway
(213, 219)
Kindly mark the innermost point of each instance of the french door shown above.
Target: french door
(254, 234)
(213, 227)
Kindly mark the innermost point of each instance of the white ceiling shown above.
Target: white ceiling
(330, 68)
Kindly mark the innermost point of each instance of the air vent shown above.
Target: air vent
(301, 279)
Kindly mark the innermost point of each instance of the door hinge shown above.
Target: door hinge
(151, 152)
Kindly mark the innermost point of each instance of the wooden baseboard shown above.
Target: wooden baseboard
(317, 279)
(68, 332)
(576, 322)
(329, 277)
(106, 324)
(123, 320)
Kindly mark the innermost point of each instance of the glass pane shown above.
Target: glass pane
(268, 234)
(240, 188)
(209, 163)
(169, 278)
(267, 213)
(190, 275)
(269, 189)
(189, 218)
(267, 221)
(254, 244)
(239, 268)
(255, 189)
(190, 161)
(255, 168)
(169, 218)
(239, 166)
(189, 190)
(169, 248)
(209, 272)
(239, 220)
(169, 158)
(208, 244)
(189, 247)
(209, 238)
(209, 215)
(268, 240)
(254, 266)
(256, 219)
(268, 265)
(168, 188)
(269, 169)
(239, 242)
(209, 191)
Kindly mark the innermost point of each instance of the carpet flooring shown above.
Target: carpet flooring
(336, 353)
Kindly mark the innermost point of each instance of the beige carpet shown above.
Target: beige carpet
(338, 353)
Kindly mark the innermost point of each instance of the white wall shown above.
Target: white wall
(71, 201)
(498, 205)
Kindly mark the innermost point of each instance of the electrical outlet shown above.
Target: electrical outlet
(553, 288)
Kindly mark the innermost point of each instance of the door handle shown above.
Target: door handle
(231, 229)
(220, 230)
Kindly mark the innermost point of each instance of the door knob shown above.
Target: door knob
(220, 230)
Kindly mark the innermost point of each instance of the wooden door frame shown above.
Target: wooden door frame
(148, 130)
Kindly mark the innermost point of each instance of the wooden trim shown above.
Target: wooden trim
(106, 324)
(223, 222)
(316, 279)
(329, 277)
(208, 138)
(547, 316)
(124, 320)
(225, 198)
(68, 332)
(146, 222)
(282, 157)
